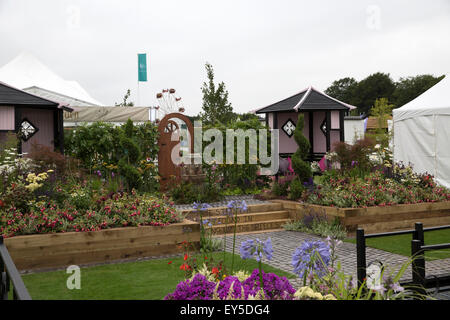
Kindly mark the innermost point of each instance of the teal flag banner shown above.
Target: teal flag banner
(142, 67)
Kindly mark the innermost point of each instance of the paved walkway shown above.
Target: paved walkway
(285, 242)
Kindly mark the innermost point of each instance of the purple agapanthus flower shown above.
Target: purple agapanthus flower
(200, 206)
(256, 248)
(195, 205)
(311, 257)
(207, 222)
(234, 204)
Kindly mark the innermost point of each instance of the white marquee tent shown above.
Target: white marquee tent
(29, 74)
(422, 132)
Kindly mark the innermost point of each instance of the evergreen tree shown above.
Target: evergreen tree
(216, 108)
(301, 167)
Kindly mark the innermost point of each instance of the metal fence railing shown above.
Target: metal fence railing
(9, 275)
(418, 249)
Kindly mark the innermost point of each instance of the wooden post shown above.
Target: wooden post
(328, 124)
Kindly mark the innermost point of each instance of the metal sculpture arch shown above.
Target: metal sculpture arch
(169, 138)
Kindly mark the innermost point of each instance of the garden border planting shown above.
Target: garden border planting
(376, 219)
(45, 251)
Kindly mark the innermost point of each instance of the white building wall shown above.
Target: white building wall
(353, 130)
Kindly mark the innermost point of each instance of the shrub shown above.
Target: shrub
(354, 157)
(301, 167)
(280, 189)
(127, 153)
(296, 189)
(317, 224)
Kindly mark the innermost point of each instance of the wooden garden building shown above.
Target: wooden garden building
(323, 121)
(35, 119)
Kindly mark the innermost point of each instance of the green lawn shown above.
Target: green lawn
(402, 244)
(151, 279)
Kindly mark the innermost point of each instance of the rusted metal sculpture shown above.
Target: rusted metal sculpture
(169, 137)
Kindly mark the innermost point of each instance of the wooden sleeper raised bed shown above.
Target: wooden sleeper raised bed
(377, 219)
(57, 250)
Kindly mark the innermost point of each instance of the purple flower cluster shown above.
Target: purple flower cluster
(311, 256)
(225, 285)
(234, 204)
(200, 206)
(250, 248)
(275, 287)
(199, 288)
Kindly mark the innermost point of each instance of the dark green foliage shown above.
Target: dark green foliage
(188, 193)
(301, 167)
(280, 189)
(216, 108)
(129, 150)
(296, 189)
(379, 85)
(343, 90)
(245, 175)
(410, 88)
(130, 174)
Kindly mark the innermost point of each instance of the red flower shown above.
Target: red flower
(215, 271)
(169, 262)
(185, 266)
(185, 256)
(1, 203)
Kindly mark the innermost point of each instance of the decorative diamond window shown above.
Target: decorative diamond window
(323, 127)
(27, 129)
(289, 128)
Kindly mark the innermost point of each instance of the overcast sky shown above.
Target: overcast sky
(264, 51)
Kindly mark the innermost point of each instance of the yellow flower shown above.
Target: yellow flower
(329, 297)
(307, 292)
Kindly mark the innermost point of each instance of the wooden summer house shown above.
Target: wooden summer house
(323, 121)
(36, 120)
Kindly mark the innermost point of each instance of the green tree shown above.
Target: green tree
(343, 90)
(375, 86)
(301, 167)
(125, 102)
(381, 110)
(216, 108)
(409, 88)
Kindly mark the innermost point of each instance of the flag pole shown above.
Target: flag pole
(138, 95)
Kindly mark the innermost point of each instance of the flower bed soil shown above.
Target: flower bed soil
(56, 250)
(376, 219)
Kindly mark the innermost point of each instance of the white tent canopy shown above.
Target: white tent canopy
(422, 132)
(27, 72)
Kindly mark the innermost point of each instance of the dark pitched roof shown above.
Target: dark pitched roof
(15, 97)
(308, 99)
(284, 105)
